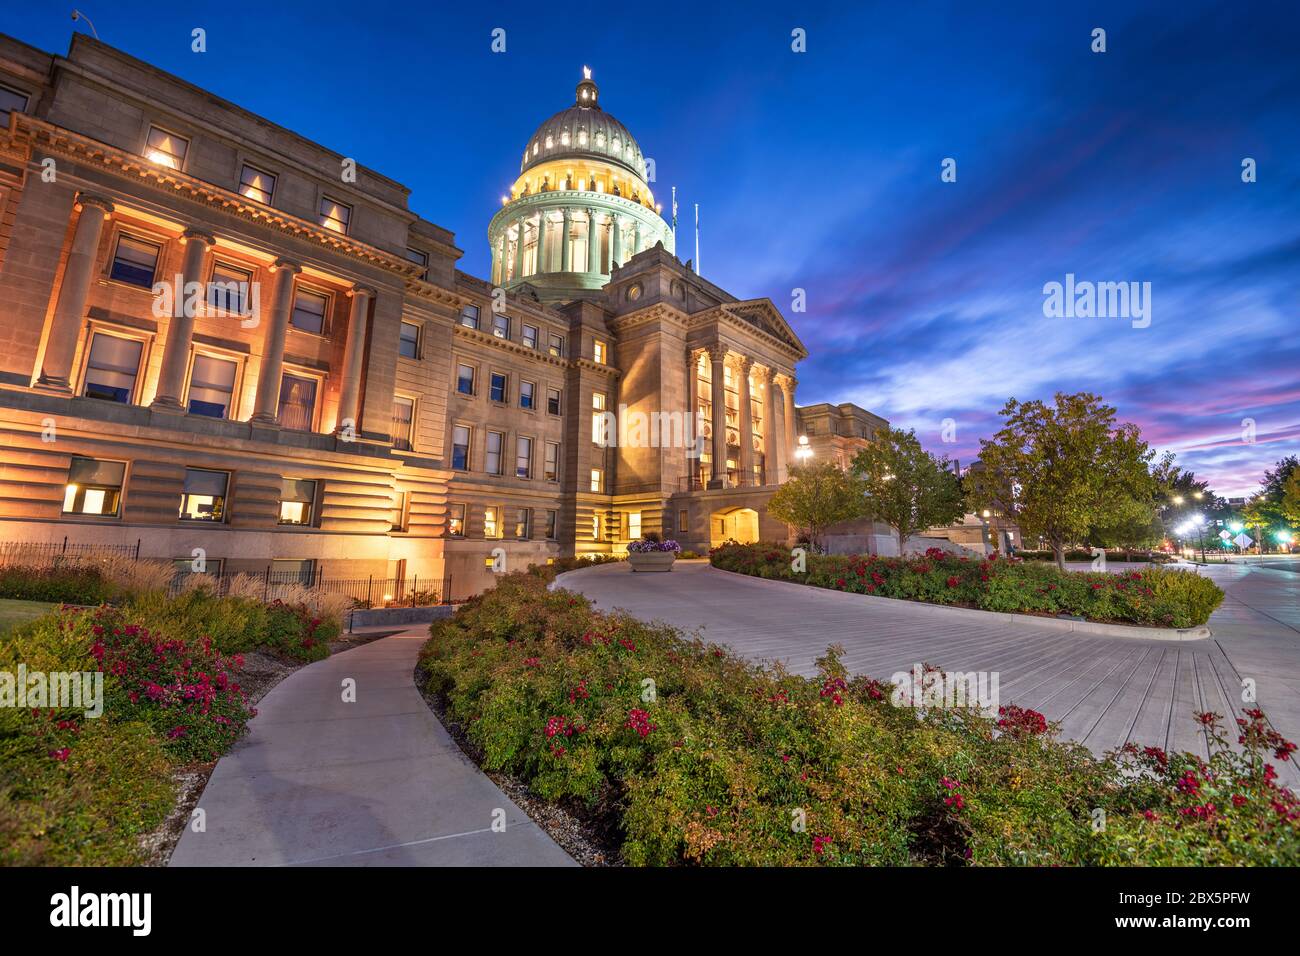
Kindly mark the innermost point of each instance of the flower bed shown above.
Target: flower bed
(697, 756)
(1158, 597)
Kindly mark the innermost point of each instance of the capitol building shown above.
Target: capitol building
(218, 340)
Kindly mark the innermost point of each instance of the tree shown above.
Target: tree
(1063, 469)
(906, 487)
(816, 497)
(1291, 496)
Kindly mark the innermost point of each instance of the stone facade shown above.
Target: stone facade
(219, 335)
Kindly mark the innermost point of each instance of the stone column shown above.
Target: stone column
(692, 410)
(519, 250)
(771, 444)
(593, 243)
(787, 384)
(565, 259)
(500, 271)
(636, 236)
(350, 393)
(743, 366)
(70, 309)
(718, 356)
(616, 242)
(541, 243)
(180, 331)
(266, 410)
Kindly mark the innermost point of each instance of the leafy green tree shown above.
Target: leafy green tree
(906, 487)
(1291, 496)
(815, 497)
(1061, 470)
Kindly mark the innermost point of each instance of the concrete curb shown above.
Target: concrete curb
(381, 616)
(1131, 632)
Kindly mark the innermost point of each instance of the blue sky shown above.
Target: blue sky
(821, 171)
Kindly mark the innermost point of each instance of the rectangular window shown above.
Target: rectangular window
(112, 368)
(634, 526)
(228, 289)
(523, 457)
(403, 419)
(211, 566)
(491, 522)
(597, 479)
(556, 346)
(599, 433)
(551, 471)
(134, 262)
(297, 501)
(530, 336)
(212, 386)
(500, 325)
(335, 215)
(469, 317)
(551, 521)
(492, 464)
(256, 184)
(465, 379)
(421, 259)
(401, 512)
(293, 571)
(460, 448)
(408, 341)
(297, 403)
(497, 390)
(683, 521)
(526, 390)
(598, 351)
(553, 401)
(456, 521)
(166, 149)
(524, 524)
(11, 101)
(595, 527)
(309, 310)
(94, 487)
(204, 497)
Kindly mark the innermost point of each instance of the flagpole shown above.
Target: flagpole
(697, 238)
(674, 218)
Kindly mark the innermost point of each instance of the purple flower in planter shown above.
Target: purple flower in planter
(647, 547)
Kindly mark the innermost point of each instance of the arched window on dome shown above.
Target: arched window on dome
(600, 138)
(615, 144)
(536, 147)
(549, 142)
(582, 137)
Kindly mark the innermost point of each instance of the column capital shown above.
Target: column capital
(766, 374)
(360, 289)
(717, 352)
(568, 212)
(93, 199)
(785, 381)
(742, 363)
(286, 265)
(204, 237)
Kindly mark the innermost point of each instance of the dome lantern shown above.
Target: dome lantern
(588, 94)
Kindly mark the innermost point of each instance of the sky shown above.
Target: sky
(821, 171)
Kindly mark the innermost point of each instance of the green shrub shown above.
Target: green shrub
(698, 756)
(63, 585)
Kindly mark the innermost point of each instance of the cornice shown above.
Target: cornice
(479, 337)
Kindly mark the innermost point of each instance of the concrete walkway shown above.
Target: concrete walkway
(375, 782)
(1104, 691)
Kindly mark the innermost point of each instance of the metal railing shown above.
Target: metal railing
(51, 554)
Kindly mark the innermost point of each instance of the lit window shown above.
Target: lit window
(94, 487)
(204, 496)
(564, 138)
(595, 527)
(309, 310)
(500, 325)
(297, 402)
(524, 524)
(556, 346)
(456, 521)
(403, 419)
(550, 141)
(599, 431)
(335, 215)
(134, 262)
(212, 386)
(11, 101)
(497, 388)
(551, 521)
(112, 368)
(166, 149)
(582, 133)
(491, 522)
(408, 341)
(256, 184)
(297, 501)
(523, 457)
(530, 336)
(228, 289)
(465, 379)
(493, 453)
(460, 448)
(598, 351)
(553, 401)
(634, 526)
(597, 479)
(421, 259)
(469, 317)
(526, 390)
(551, 470)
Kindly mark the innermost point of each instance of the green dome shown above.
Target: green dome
(584, 131)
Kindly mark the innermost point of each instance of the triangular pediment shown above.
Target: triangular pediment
(763, 315)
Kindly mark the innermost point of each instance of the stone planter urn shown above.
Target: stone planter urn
(651, 560)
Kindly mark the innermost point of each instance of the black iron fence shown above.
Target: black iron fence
(55, 553)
